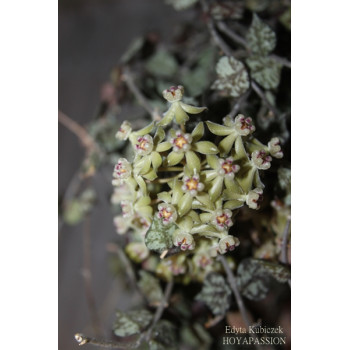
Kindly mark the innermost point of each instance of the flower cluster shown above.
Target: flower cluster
(190, 185)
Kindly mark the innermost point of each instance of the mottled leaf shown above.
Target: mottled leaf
(163, 336)
(215, 294)
(261, 39)
(150, 287)
(162, 64)
(254, 277)
(265, 71)
(159, 237)
(232, 77)
(131, 322)
(181, 4)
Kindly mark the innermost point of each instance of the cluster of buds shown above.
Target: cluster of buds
(190, 185)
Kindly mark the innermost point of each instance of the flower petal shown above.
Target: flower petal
(174, 158)
(226, 144)
(164, 196)
(198, 132)
(205, 147)
(156, 160)
(205, 200)
(159, 135)
(213, 161)
(151, 175)
(181, 116)
(140, 181)
(216, 188)
(233, 204)
(168, 116)
(143, 165)
(192, 109)
(217, 129)
(164, 146)
(193, 162)
(210, 175)
(177, 192)
(146, 130)
(185, 204)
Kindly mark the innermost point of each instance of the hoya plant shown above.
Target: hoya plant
(200, 179)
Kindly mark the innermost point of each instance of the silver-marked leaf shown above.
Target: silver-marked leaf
(131, 322)
(159, 237)
(181, 4)
(265, 71)
(215, 294)
(150, 287)
(163, 336)
(232, 77)
(261, 39)
(162, 64)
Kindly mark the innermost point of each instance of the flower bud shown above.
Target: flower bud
(275, 147)
(174, 93)
(184, 240)
(254, 198)
(228, 243)
(124, 131)
(261, 159)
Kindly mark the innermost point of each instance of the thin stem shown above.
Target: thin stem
(241, 41)
(138, 94)
(284, 257)
(83, 339)
(86, 140)
(233, 284)
(159, 312)
(165, 180)
(239, 103)
(88, 280)
(261, 94)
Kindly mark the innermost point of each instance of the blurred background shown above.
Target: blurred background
(92, 36)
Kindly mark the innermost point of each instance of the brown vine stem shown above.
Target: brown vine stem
(127, 77)
(239, 103)
(86, 140)
(83, 339)
(233, 284)
(160, 309)
(88, 280)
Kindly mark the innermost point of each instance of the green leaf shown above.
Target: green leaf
(162, 64)
(131, 322)
(133, 49)
(185, 204)
(174, 158)
(217, 129)
(265, 71)
(150, 287)
(215, 294)
(261, 39)
(198, 132)
(159, 237)
(232, 77)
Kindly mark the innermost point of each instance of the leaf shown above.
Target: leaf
(261, 39)
(252, 280)
(162, 64)
(150, 287)
(159, 237)
(215, 293)
(232, 77)
(254, 277)
(163, 336)
(205, 147)
(132, 50)
(181, 4)
(131, 322)
(265, 71)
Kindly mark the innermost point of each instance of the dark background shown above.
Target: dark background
(92, 36)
